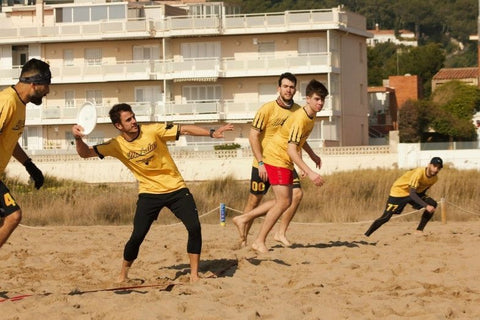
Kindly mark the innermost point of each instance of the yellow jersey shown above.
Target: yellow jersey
(416, 179)
(148, 157)
(12, 122)
(268, 119)
(296, 129)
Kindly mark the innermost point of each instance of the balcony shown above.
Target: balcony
(178, 26)
(192, 111)
(181, 70)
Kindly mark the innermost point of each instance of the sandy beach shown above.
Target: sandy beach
(331, 272)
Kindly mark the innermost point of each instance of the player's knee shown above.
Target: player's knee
(431, 202)
(194, 229)
(255, 199)
(283, 203)
(14, 219)
(385, 217)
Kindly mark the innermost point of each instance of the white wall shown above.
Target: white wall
(111, 170)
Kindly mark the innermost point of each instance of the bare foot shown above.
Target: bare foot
(122, 278)
(282, 239)
(260, 247)
(194, 278)
(241, 227)
(420, 233)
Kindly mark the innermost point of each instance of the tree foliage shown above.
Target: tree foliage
(456, 104)
(386, 59)
(411, 123)
(431, 20)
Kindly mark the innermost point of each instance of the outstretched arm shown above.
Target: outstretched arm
(83, 149)
(193, 130)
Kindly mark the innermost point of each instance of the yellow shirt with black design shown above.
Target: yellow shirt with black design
(416, 179)
(296, 129)
(148, 157)
(268, 119)
(12, 122)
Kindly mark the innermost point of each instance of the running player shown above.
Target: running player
(411, 189)
(143, 150)
(280, 155)
(267, 120)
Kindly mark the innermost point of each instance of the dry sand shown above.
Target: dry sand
(331, 272)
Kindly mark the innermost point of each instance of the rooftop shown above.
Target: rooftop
(456, 73)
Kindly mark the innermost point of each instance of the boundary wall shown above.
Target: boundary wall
(208, 165)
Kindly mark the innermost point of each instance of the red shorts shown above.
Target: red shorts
(279, 175)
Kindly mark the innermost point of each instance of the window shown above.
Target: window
(267, 92)
(93, 56)
(68, 57)
(200, 50)
(142, 53)
(94, 96)
(202, 93)
(266, 48)
(148, 94)
(91, 13)
(81, 14)
(69, 99)
(312, 45)
(99, 13)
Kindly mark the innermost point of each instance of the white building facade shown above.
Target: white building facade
(198, 63)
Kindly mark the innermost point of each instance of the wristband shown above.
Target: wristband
(212, 131)
(27, 161)
(260, 163)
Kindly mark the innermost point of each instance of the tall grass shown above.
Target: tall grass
(346, 197)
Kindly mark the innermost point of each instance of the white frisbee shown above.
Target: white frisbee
(87, 117)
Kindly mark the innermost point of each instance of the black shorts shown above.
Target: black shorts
(258, 186)
(395, 205)
(8, 205)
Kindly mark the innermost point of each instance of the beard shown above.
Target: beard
(36, 98)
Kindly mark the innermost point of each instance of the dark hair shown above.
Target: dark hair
(317, 87)
(289, 76)
(114, 113)
(35, 71)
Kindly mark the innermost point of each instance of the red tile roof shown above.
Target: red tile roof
(456, 73)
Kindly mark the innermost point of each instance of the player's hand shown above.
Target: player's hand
(219, 132)
(77, 131)
(262, 172)
(316, 179)
(430, 208)
(34, 173)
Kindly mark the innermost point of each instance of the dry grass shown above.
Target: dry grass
(346, 197)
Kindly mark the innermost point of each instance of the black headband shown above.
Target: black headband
(39, 78)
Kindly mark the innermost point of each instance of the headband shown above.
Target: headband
(39, 78)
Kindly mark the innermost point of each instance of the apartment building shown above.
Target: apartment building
(184, 62)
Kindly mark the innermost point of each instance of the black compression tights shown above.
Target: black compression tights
(379, 222)
(181, 203)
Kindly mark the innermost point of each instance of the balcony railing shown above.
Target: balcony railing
(187, 25)
(198, 68)
(197, 111)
